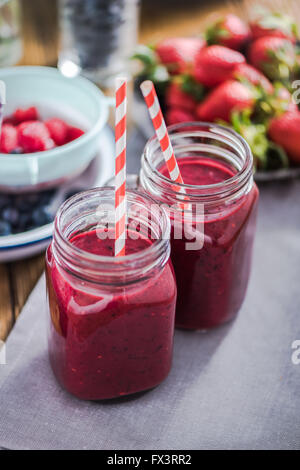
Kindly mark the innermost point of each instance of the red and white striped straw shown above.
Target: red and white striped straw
(158, 121)
(120, 167)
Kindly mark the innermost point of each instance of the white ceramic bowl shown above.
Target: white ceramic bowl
(76, 100)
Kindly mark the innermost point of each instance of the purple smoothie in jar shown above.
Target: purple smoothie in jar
(216, 166)
(111, 319)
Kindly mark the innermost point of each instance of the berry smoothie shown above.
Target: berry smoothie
(114, 342)
(212, 281)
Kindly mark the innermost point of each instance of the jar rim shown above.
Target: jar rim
(77, 258)
(232, 137)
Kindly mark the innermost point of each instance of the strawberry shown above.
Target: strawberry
(58, 130)
(176, 115)
(177, 98)
(29, 114)
(178, 53)
(275, 57)
(275, 25)
(228, 97)
(215, 64)
(284, 131)
(74, 133)
(229, 31)
(244, 72)
(33, 136)
(9, 138)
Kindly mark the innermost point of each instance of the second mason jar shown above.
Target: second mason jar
(213, 217)
(111, 318)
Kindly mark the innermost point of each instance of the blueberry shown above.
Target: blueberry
(41, 216)
(17, 151)
(5, 201)
(10, 215)
(22, 203)
(46, 196)
(25, 222)
(27, 202)
(5, 228)
(33, 199)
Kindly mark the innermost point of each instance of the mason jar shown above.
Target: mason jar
(10, 40)
(97, 38)
(111, 321)
(213, 219)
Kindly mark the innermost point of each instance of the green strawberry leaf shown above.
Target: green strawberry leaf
(295, 30)
(191, 86)
(282, 63)
(254, 134)
(152, 69)
(159, 74)
(146, 55)
(271, 105)
(215, 33)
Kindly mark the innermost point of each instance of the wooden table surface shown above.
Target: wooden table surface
(158, 19)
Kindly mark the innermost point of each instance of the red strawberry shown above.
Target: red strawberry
(177, 53)
(177, 115)
(275, 25)
(229, 31)
(74, 133)
(58, 130)
(215, 64)
(227, 97)
(254, 76)
(21, 115)
(9, 138)
(284, 130)
(33, 136)
(275, 57)
(176, 97)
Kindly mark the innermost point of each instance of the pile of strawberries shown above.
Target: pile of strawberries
(24, 132)
(240, 75)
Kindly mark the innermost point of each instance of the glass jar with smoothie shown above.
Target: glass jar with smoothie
(111, 318)
(220, 217)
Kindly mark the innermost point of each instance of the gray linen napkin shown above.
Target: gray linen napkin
(232, 388)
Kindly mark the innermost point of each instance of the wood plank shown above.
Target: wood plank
(24, 275)
(40, 32)
(162, 20)
(6, 307)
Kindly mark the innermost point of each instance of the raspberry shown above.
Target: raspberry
(58, 130)
(177, 115)
(8, 120)
(21, 115)
(9, 138)
(74, 133)
(33, 136)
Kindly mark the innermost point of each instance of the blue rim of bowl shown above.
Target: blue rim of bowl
(30, 70)
(46, 229)
(17, 247)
